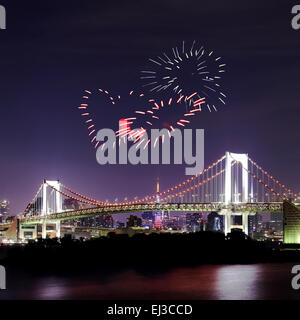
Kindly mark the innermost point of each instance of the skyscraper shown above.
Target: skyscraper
(276, 222)
(253, 224)
(4, 208)
(215, 222)
(193, 221)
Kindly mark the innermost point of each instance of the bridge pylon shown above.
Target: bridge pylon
(51, 199)
(242, 159)
(228, 214)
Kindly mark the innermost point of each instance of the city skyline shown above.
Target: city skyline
(150, 151)
(50, 56)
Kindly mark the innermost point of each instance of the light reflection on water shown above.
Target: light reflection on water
(239, 282)
(51, 288)
(257, 281)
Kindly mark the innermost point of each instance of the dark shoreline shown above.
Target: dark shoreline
(148, 252)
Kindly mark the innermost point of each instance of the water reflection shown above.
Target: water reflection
(239, 282)
(51, 288)
(257, 281)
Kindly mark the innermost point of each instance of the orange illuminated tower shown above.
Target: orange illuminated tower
(157, 191)
(157, 215)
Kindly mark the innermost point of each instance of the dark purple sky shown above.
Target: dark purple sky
(52, 51)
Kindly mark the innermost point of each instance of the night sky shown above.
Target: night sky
(53, 50)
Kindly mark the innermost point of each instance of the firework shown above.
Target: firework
(187, 70)
(158, 112)
(88, 117)
(155, 117)
(153, 114)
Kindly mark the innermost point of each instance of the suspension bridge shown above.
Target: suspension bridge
(232, 185)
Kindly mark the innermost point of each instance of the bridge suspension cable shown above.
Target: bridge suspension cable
(82, 196)
(178, 186)
(26, 211)
(289, 191)
(193, 187)
(206, 187)
(71, 197)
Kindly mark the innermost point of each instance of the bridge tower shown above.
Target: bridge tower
(242, 159)
(51, 203)
(158, 215)
(51, 200)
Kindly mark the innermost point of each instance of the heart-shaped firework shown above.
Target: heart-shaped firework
(146, 117)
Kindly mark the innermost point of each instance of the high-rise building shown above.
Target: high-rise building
(158, 224)
(291, 223)
(4, 209)
(134, 221)
(148, 219)
(253, 224)
(105, 221)
(276, 223)
(193, 221)
(215, 222)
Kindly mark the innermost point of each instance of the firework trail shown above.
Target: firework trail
(151, 115)
(186, 70)
(88, 116)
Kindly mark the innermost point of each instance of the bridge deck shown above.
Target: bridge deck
(171, 207)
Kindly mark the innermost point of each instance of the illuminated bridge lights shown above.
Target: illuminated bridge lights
(210, 190)
(171, 207)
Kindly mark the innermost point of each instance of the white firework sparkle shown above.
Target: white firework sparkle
(187, 70)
